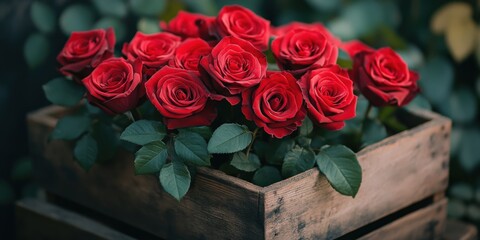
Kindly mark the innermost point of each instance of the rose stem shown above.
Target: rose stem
(136, 114)
(253, 140)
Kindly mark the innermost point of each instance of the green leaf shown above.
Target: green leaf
(115, 8)
(419, 102)
(86, 151)
(461, 107)
(204, 131)
(63, 92)
(324, 5)
(461, 191)
(297, 160)
(118, 26)
(266, 175)
(373, 131)
(229, 138)
(43, 16)
(277, 150)
(143, 132)
(469, 152)
(148, 7)
(192, 148)
(70, 127)
(341, 168)
(77, 17)
(175, 179)
(36, 49)
(151, 158)
(261, 148)
(307, 127)
(241, 162)
(437, 79)
(107, 139)
(148, 25)
(304, 142)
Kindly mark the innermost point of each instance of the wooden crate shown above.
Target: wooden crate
(400, 173)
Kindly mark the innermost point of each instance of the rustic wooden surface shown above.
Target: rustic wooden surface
(457, 230)
(426, 223)
(397, 172)
(37, 219)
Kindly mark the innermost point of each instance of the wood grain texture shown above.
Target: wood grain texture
(217, 206)
(397, 172)
(37, 219)
(426, 223)
(457, 230)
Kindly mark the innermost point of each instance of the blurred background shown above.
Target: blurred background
(440, 39)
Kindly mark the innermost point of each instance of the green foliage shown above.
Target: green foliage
(248, 164)
(36, 49)
(277, 150)
(7, 195)
(148, 7)
(175, 179)
(297, 160)
(86, 151)
(192, 148)
(341, 168)
(143, 132)
(229, 138)
(204, 131)
(77, 17)
(70, 127)
(118, 26)
(148, 25)
(22, 169)
(63, 92)
(43, 17)
(307, 127)
(419, 102)
(461, 106)
(107, 139)
(436, 79)
(469, 150)
(114, 8)
(151, 158)
(266, 175)
(373, 131)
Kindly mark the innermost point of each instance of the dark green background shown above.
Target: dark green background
(452, 88)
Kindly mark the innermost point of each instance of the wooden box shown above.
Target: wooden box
(404, 175)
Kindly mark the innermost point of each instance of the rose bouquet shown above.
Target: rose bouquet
(230, 92)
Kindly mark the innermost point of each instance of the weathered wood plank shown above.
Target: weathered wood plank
(37, 219)
(457, 230)
(397, 172)
(426, 223)
(217, 206)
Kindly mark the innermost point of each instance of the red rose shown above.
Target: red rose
(318, 27)
(180, 96)
(115, 85)
(242, 23)
(302, 49)
(382, 76)
(154, 50)
(233, 66)
(329, 95)
(186, 24)
(276, 104)
(83, 51)
(188, 54)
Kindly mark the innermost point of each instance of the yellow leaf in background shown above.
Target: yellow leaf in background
(449, 13)
(461, 36)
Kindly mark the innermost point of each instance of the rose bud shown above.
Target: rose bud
(154, 50)
(276, 104)
(115, 85)
(181, 98)
(302, 49)
(83, 51)
(381, 75)
(318, 27)
(188, 54)
(328, 93)
(233, 66)
(185, 24)
(242, 23)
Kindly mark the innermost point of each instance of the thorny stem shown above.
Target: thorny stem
(253, 140)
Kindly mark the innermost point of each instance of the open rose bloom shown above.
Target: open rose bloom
(203, 87)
